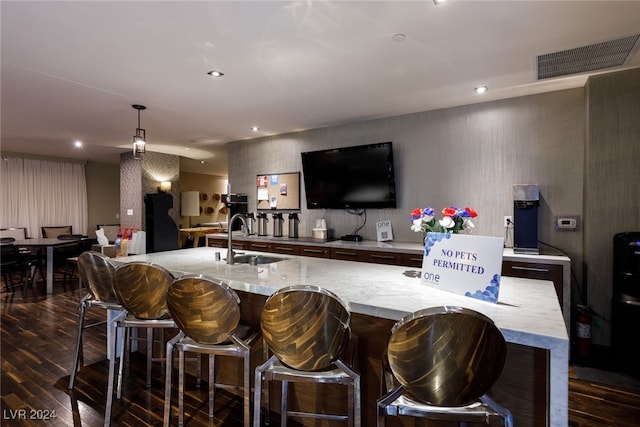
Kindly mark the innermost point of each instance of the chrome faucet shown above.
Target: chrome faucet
(229, 232)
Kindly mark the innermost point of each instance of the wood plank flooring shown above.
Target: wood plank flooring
(37, 349)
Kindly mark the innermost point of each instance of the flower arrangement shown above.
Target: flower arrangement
(453, 220)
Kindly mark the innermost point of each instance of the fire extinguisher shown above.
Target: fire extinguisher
(583, 332)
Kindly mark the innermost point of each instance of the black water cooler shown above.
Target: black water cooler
(625, 312)
(526, 201)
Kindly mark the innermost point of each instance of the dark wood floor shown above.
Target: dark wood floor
(37, 348)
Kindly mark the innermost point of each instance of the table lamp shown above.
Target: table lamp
(190, 204)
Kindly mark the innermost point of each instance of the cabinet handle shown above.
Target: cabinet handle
(283, 248)
(314, 251)
(541, 270)
(346, 253)
(374, 256)
(260, 246)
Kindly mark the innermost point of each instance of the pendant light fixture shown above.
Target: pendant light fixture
(139, 139)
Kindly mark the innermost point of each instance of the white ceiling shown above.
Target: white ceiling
(72, 70)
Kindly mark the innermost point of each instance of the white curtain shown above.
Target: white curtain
(39, 193)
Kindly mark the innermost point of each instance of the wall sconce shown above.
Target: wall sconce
(165, 186)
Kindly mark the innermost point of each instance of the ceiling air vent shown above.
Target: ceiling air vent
(592, 57)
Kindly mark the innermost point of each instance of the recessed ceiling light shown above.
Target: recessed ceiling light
(202, 162)
(215, 73)
(255, 128)
(78, 144)
(437, 2)
(480, 89)
(398, 37)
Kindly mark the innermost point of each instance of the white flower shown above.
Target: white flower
(447, 222)
(416, 225)
(468, 225)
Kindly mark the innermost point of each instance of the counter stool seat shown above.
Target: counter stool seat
(97, 272)
(207, 312)
(141, 288)
(307, 329)
(439, 365)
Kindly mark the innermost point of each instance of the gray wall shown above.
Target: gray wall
(612, 182)
(465, 156)
(579, 145)
(103, 194)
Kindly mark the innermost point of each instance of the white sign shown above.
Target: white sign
(384, 231)
(464, 264)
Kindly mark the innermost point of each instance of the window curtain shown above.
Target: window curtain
(39, 193)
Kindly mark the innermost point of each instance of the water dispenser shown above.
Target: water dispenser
(526, 201)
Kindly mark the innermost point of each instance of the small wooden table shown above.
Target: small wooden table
(197, 232)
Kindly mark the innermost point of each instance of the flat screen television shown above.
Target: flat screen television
(357, 177)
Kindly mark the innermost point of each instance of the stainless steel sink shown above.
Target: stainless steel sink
(256, 259)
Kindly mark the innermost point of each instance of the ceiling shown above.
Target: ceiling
(72, 70)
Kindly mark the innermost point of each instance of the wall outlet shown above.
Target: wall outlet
(508, 221)
(567, 223)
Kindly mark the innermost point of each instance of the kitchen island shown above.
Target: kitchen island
(534, 383)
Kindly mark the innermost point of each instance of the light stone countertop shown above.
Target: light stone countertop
(527, 312)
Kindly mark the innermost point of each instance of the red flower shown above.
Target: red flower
(449, 211)
(416, 213)
(472, 213)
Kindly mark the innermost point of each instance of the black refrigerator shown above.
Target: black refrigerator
(625, 312)
(161, 229)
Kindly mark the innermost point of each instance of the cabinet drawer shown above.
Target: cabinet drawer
(390, 258)
(259, 246)
(412, 260)
(314, 251)
(216, 243)
(238, 245)
(348, 254)
(530, 270)
(280, 248)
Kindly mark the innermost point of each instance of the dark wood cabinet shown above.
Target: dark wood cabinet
(314, 251)
(348, 254)
(378, 257)
(530, 270)
(284, 248)
(412, 260)
(259, 246)
(216, 243)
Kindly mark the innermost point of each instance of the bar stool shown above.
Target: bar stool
(441, 363)
(97, 272)
(307, 329)
(207, 312)
(141, 288)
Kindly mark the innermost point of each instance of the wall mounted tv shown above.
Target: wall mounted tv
(358, 177)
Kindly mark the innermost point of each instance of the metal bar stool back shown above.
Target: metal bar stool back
(307, 328)
(141, 288)
(439, 365)
(207, 312)
(97, 273)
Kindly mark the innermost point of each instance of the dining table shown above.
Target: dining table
(49, 244)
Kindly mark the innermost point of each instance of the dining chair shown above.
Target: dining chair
(141, 288)
(439, 365)
(51, 232)
(18, 260)
(307, 329)
(207, 312)
(10, 262)
(97, 274)
(66, 257)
